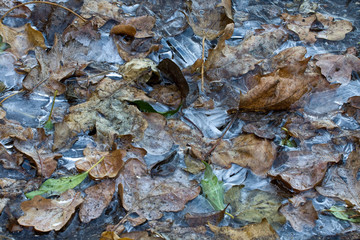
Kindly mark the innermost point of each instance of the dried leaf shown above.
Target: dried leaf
(201, 219)
(108, 168)
(352, 108)
(97, 199)
(342, 181)
(139, 71)
(9, 161)
(301, 217)
(254, 205)
(213, 189)
(12, 187)
(149, 197)
(3, 202)
(165, 167)
(22, 39)
(338, 68)
(168, 94)
(246, 151)
(49, 214)
(103, 11)
(303, 170)
(261, 230)
(209, 18)
(13, 129)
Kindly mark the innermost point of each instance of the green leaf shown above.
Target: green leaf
(53, 186)
(213, 189)
(57, 186)
(288, 142)
(146, 107)
(48, 126)
(344, 213)
(3, 45)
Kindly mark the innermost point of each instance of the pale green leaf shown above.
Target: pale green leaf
(57, 186)
(344, 213)
(213, 189)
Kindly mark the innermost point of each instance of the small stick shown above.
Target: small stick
(203, 64)
(49, 3)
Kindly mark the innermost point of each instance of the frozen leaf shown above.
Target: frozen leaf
(165, 167)
(168, 94)
(213, 189)
(303, 170)
(156, 140)
(308, 32)
(209, 18)
(49, 214)
(261, 230)
(57, 186)
(12, 187)
(62, 61)
(201, 219)
(108, 168)
(149, 197)
(138, 45)
(247, 151)
(342, 181)
(172, 230)
(9, 161)
(13, 129)
(97, 199)
(139, 71)
(225, 62)
(254, 205)
(103, 11)
(3, 202)
(143, 235)
(352, 108)
(3, 46)
(45, 160)
(105, 112)
(344, 213)
(22, 39)
(301, 217)
(338, 68)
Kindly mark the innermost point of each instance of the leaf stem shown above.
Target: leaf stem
(52, 106)
(10, 96)
(35, 2)
(95, 164)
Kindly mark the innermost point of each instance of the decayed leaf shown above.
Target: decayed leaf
(13, 129)
(169, 94)
(200, 219)
(106, 112)
(103, 11)
(139, 71)
(149, 197)
(9, 161)
(49, 214)
(22, 39)
(352, 108)
(213, 189)
(246, 151)
(227, 61)
(172, 230)
(209, 18)
(108, 168)
(302, 170)
(254, 205)
(3, 202)
(12, 187)
(156, 139)
(38, 151)
(97, 199)
(143, 235)
(327, 27)
(62, 61)
(261, 230)
(301, 217)
(338, 68)
(135, 44)
(342, 181)
(165, 167)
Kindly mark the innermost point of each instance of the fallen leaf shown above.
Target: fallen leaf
(39, 153)
(149, 197)
(62, 61)
(9, 161)
(344, 213)
(342, 181)
(165, 167)
(301, 217)
(213, 189)
(201, 219)
(3, 202)
(49, 214)
(246, 151)
(209, 18)
(261, 230)
(352, 108)
(254, 205)
(168, 94)
(147, 108)
(22, 39)
(3, 47)
(338, 68)
(12, 187)
(108, 168)
(329, 29)
(143, 235)
(137, 45)
(13, 129)
(156, 140)
(102, 10)
(97, 199)
(139, 71)
(303, 170)
(172, 230)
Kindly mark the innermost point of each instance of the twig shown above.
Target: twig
(35, 2)
(203, 64)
